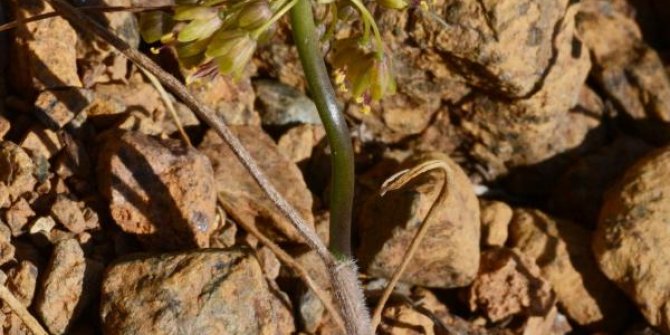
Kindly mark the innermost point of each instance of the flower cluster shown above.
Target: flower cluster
(211, 34)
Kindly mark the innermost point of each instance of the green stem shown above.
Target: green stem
(342, 156)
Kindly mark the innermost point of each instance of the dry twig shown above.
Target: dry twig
(342, 273)
(21, 311)
(395, 182)
(168, 105)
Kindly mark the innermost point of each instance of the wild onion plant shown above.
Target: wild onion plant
(221, 36)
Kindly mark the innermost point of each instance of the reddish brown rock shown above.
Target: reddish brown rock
(630, 73)
(298, 142)
(527, 131)
(164, 295)
(40, 141)
(233, 100)
(99, 61)
(242, 198)
(562, 251)
(159, 190)
(509, 284)
(16, 172)
(18, 216)
(501, 46)
(34, 66)
(6, 247)
(57, 107)
(67, 212)
(433, 317)
(632, 240)
(69, 284)
(495, 217)
(449, 254)
(22, 281)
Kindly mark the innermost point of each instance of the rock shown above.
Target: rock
(136, 105)
(100, 62)
(188, 293)
(495, 217)
(69, 286)
(298, 142)
(68, 213)
(40, 141)
(283, 105)
(57, 107)
(232, 100)
(531, 130)
(632, 240)
(5, 125)
(506, 47)
(630, 73)
(242, 198)
(6, 247)
(34, 67)
(578, 195)
(449, 254)
(562, 251)
(22, 281)
(509, 284)
(159, 190)
(18, 216)
(432, 317)
(16, 172)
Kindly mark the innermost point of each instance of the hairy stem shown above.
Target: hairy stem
(342, 155)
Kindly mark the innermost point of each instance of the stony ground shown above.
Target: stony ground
(554, 117)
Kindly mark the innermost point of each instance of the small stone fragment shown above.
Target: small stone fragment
(16, 170)
(66, 211)
(242, 198)
(5, 125)
(164, 295)
(22, 281)
(426, 315)
(40, 141)
(233, 100)
(69, 285)
(17, 216)
(508, 284)
(495, 217)
(42, 224)
(562, 251)
(632, 239)
(159, 190)
(34, 66)
(448, 256)
(298, 142)
(57, 107)
(6, 247)
(283, 105)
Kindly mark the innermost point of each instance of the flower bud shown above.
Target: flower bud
(254, 15)
(227, 41)
(199, 29)
(188, 13)
(234, 61)
(382, 81)
(393, 4)
(190, 49)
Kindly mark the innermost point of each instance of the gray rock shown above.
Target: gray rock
(284, 105)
